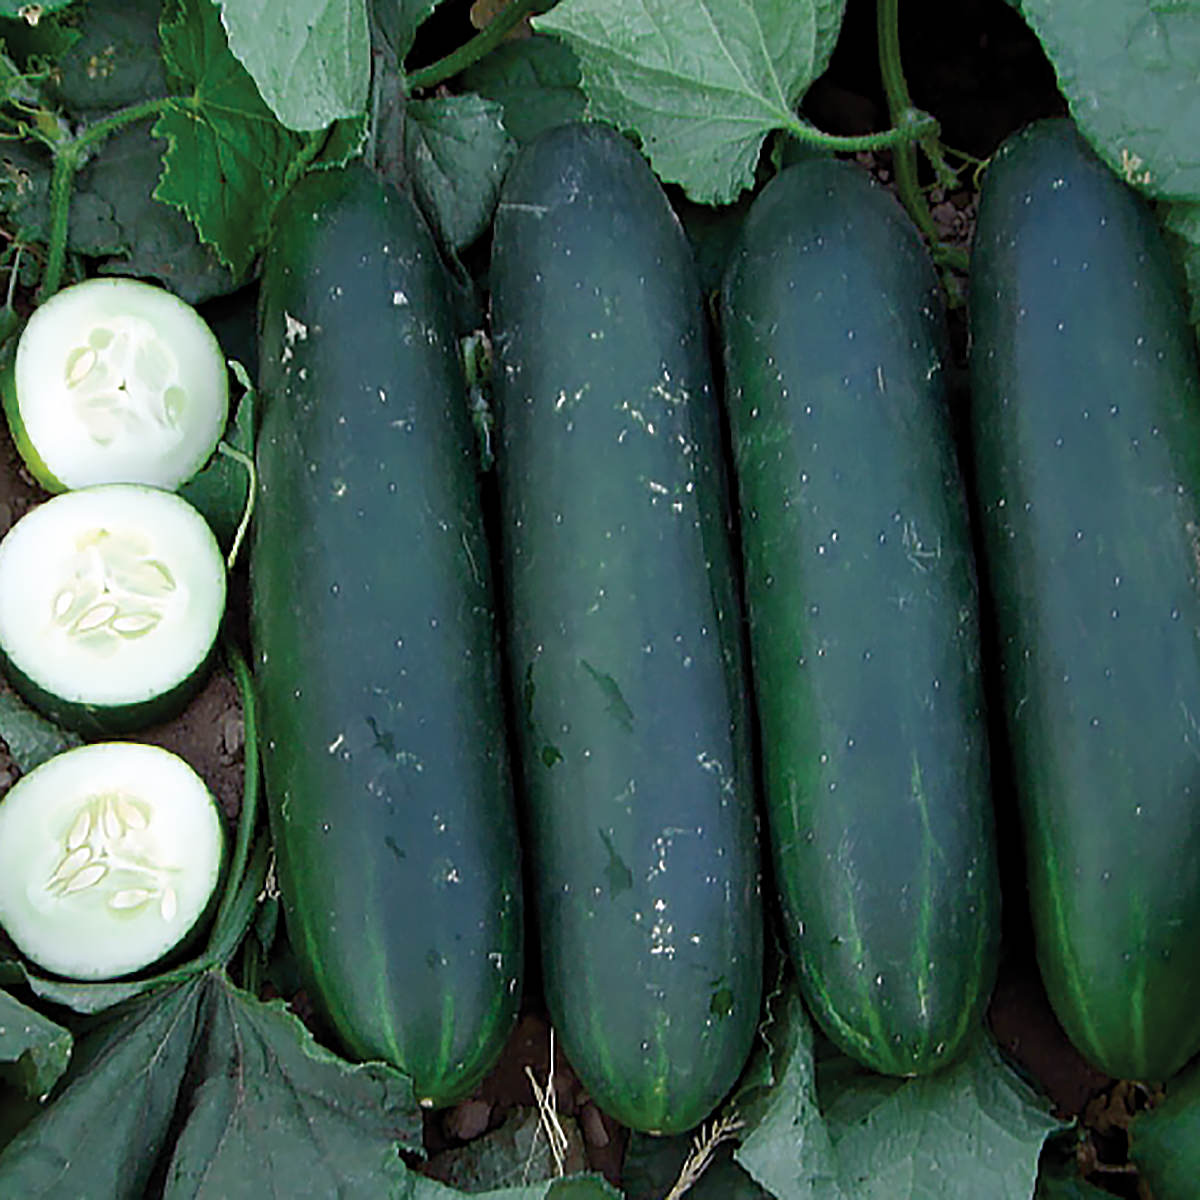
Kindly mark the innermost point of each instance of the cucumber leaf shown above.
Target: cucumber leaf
(310, 59)
(227, 157)
(34, 1051)
(458, 152)
(580, 1187)
(114, 215)
(515, 1153)
(830, 1130)
(536, 82)
(973, 1129)
(115, 60)
(154, 239)
(829, 14)
(275, 1114)
(653, 1164)
(112, 1111)
(51, 37)
(700, 84)
(1128, 71)
(272, 1113)
(214, 1093)
(786, 1146)
(91, 998)
(31, 738)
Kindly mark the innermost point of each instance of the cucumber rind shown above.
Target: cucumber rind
(863, 618)
(385, 754)
(623, 634)
(110, 855)
(1085, 418)
(115, 380)
(111, 600)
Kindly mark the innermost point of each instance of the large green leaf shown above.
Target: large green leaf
(1128, 70)
(156, 240)
(786, 1146)
(831, 1130)
(701, 84)
(107, 1124)
(311, 59)
(34, 1051)
(974, 1129)
(227, 157)
(274, 1114)
(114, 215)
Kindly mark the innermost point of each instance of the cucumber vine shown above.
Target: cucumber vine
(904, 153)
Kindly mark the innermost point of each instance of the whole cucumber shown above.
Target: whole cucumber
(375, 649)
(1086, 430)
(863, 618)
(623, 632)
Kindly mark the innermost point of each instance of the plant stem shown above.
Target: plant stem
(235, 924)
(904, 154)
(916, 126)
(247, 464)
(471, 52)
(248, 817)
(68, 158)
(314, 143)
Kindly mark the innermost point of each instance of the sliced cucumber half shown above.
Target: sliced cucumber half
(109, 856)
(115, 380)
(111, 600)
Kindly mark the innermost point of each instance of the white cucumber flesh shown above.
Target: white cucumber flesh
(110, 855)
(111, 598)
(116, 381)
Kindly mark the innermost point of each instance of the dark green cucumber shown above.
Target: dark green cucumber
(622, 617)
(863, 618)
(376, 654)
(1086, 430)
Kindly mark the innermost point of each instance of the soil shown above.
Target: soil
(984, 75)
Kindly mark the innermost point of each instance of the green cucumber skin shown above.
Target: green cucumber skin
(864, 634)
(16, 425)
(1086, 430)
(622, 623)
(375, 646)
(110, 720)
